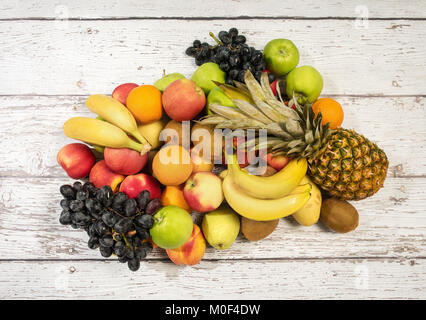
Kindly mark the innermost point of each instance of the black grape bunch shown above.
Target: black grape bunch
(115, 224)
(233, 55)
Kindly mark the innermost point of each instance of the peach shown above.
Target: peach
(183, 99)
(203, 191)
(173, 195)
(124, 161)
(277, 162)
(200, 163)
(122, 91)
(101, 175)
(135, 184)
(192, 251)
(76, 159)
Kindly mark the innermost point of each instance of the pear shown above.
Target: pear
(162, 83)
(221, 227)
(217, 96)
(207, 72)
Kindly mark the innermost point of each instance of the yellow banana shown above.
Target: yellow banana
(100, 133)
(116, 113)
(235, 93)
(260, 209)
(276, 186)
(309, 214)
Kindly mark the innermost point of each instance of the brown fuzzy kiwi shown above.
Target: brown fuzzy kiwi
(257, 230)
(339, 215)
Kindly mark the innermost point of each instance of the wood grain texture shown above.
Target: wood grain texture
(98, 9)
(258, 280)
(391, 225)
(31, 131)
(82, 57)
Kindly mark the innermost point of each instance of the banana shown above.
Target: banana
(276, 186)
(100, 133)
(116, 113)
(310, 213)
(235, 93)
(260, 209)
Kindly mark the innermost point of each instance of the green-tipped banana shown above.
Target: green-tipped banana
(116, 113)
(276, 186)
(260, 209)
(100, 133)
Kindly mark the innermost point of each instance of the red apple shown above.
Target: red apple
(135, 184)
(203, 191)
(122, 91)
(277, 162)
(101, 175)
(183, 100)
(76, 159)
(125, 161)
(192, 251)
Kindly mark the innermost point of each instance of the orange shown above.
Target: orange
(173, 195)
(144, 102)
(172, 165)
(331, 112)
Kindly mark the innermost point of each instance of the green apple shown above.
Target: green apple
(207, 72)
(281, 56)
(221, 227)
(162, 83)
(305, 83)
(172, 227)
(217, 96)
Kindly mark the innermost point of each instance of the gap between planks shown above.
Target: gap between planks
(215, 18)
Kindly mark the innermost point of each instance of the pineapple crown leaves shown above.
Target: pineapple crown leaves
(295, 132)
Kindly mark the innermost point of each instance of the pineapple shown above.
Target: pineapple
(342, 162)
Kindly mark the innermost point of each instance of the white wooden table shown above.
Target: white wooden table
(372, 55)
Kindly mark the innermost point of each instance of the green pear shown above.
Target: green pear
(217, 96)
(221, 227)
(161, 84)
(207, 72)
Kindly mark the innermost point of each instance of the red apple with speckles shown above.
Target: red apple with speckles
(125, 161)
(192, 251)
(122, 91)
(135, 184)
(76, 159)
(203, 191)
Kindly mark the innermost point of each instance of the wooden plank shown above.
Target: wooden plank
(81, 57)
(31, 131)
(269, 279)
(97, 9)
(391, 224)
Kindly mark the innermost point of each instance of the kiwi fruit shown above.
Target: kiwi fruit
(339, 215)
(254, 230)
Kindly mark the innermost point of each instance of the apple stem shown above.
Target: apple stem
(220, 43)
(164, 72)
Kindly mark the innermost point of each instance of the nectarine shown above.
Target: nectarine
(101, 175)
(124, 161)
(76, 159)
(183, 100)
(135, 184)
(192, 251)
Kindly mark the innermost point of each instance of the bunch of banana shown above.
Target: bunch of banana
(109, 133)
(266, 198)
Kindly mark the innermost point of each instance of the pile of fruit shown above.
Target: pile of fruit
(244, 142)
